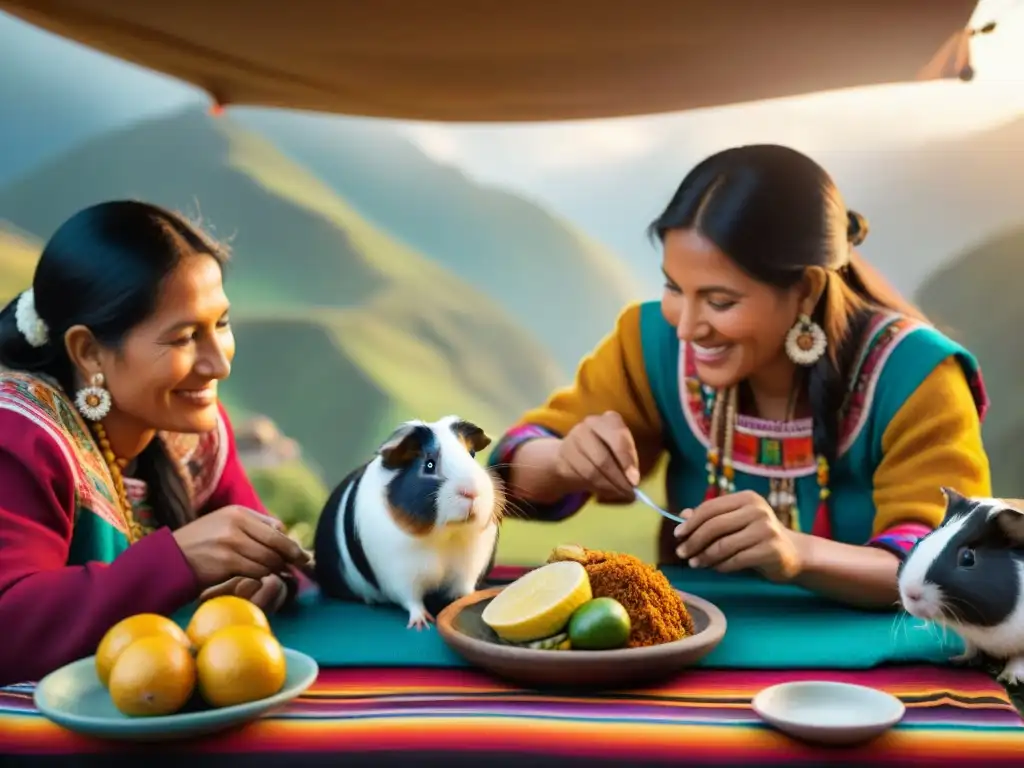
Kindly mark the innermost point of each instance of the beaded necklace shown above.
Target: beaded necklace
(721, 474)
(133, 529)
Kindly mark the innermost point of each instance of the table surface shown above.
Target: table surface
(770, 626)
(387, 696)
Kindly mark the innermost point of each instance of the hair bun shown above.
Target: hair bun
(856, 228)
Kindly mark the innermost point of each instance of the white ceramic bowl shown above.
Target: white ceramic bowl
(828, 713)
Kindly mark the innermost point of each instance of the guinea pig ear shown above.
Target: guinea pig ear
(401, 447)
(475, 438)
(951, 495)
(1010, 519)
(956, 504)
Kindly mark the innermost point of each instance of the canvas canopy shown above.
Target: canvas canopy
(526, 60)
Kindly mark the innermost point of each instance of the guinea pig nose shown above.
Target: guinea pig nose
(467, 493)
(913, 593)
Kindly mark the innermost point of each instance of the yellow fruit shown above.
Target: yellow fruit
(239, 664)
(224, 611)
(153, 676)
(539, 604)
(127, 631)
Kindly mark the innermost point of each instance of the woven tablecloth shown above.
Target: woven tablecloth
(387, 695)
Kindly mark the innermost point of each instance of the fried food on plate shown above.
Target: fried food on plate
(656, 611)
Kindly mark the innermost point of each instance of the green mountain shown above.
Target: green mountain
(562, 285)
(342, 329)
(976, 300)
(18, 254)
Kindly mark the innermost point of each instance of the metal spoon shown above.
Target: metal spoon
(641, 496)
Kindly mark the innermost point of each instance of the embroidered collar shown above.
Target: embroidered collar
(770, 448)
(202, 458)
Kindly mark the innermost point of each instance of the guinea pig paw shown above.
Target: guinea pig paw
(419, 618)
(970, 653)
(1013, 672)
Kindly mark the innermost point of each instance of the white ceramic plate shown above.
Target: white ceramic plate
(828, 713)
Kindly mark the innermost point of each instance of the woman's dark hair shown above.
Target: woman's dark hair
(775, 212)
(103, 268)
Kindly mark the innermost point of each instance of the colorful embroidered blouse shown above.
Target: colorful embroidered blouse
(67, 572)
(911, 424)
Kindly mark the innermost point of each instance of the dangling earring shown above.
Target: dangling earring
(806, 341)
(93, 401)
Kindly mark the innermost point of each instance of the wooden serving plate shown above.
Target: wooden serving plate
(465, 632)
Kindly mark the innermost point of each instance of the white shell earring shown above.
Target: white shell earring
(806, 341)
(93, 402)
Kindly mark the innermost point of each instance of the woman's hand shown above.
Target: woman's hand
(599, 455)
(739, 531)
(235, 541)
(268, 593)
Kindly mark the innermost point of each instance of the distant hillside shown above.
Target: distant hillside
(245, 192)
(977, 300)
(560, 283)
(18, 254)
(342, 329)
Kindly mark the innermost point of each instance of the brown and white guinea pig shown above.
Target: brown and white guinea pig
(968, 575)
(417, 524)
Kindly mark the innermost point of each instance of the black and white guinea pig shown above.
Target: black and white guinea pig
(417, 524)
(968, 575)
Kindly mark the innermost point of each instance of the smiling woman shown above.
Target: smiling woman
(810, 414)
(120, 488)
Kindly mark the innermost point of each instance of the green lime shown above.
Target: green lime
(599, 624)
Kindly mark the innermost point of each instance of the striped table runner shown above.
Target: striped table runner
(427, 716)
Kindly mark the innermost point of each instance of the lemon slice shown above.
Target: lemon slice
(539, 604)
